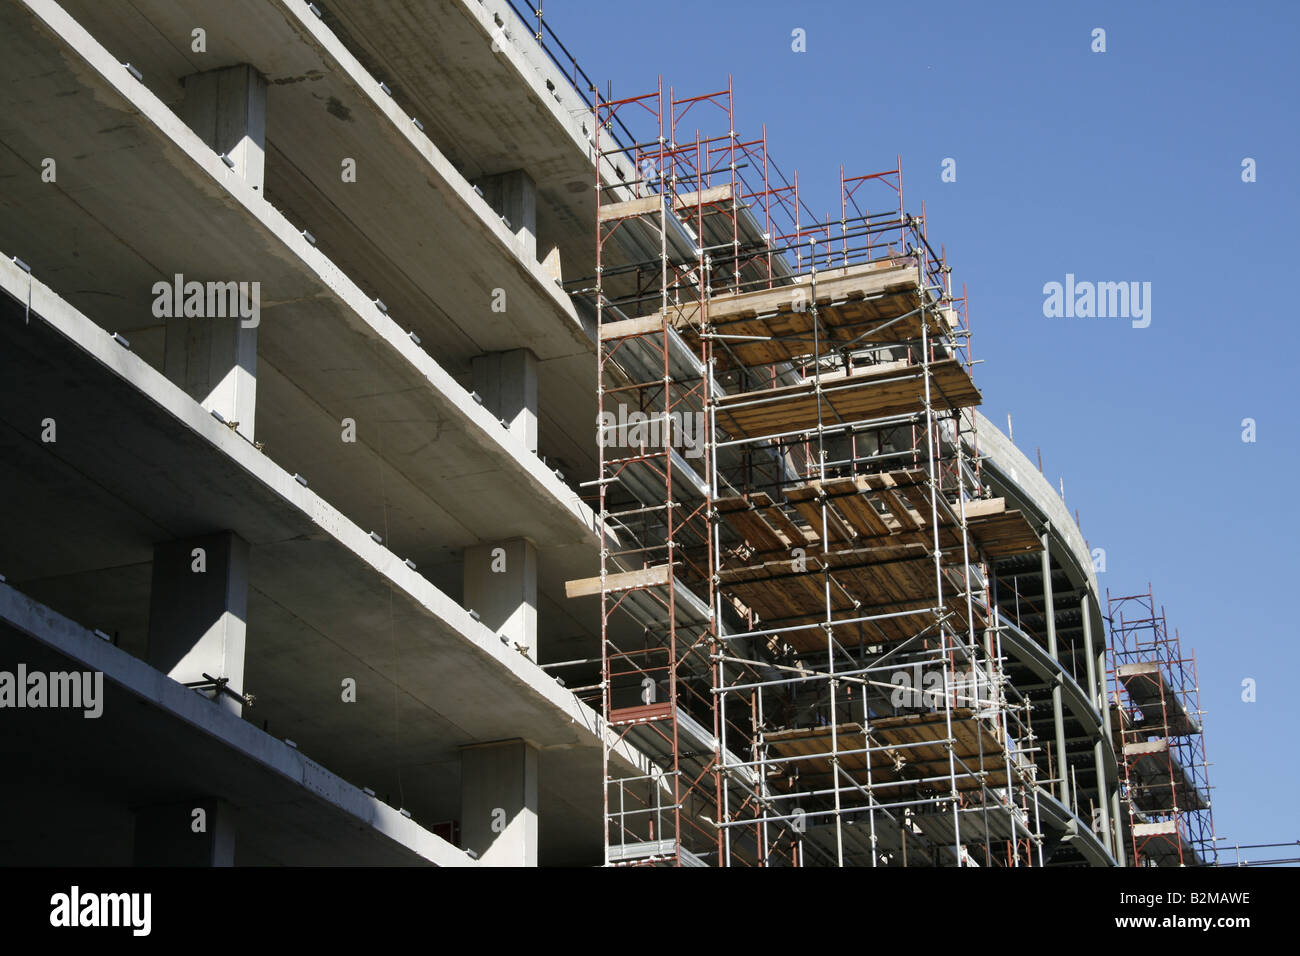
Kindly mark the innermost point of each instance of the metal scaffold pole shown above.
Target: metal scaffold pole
(1169, 819)
(791, 607)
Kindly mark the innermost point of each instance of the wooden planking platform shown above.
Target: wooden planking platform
(1162, 707)
(894, 588)
(1002, 533)
(856, 307)
(926, 757)
(626, 328)
(1158, 781)
(865, 508)
(631, 208)
(877, 391)
(686, 203)
(622, 581)
(878, 555)
(642, 714)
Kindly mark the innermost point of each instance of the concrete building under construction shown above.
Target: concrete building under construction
(446, 463)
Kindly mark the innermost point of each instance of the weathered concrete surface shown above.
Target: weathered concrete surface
(491, 99)
(410, 230)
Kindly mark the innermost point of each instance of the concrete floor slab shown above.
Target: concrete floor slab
(156, 743)
(137, 461)
(327, 353)
(389, 228)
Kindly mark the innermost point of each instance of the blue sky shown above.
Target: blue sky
(1115, 166)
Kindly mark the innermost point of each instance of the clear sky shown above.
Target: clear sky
(1117, 166)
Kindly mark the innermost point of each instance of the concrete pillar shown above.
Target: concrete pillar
(1116, 821)
(514, 196)
(227, 109)
(1122, 855)
(197, 833)
(214, 359)
(1099, 700)
(1058, 714)
(498, 802)
(552, 266)
(198, 608)
(1103, 690)
(501, 586)
(507, 383)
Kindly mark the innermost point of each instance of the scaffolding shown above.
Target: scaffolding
(799, 624)
(1157, 704)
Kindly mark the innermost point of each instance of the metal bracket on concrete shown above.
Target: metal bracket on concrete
(221, 686)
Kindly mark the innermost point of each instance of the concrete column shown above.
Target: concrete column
(514, 196)
(214, 359)
(197, 833)
(552, 266)
(507, 383)
(1058, 714)
(198, 610)
(227, 109)
(1116, 822)
(1099, 700)
(498, 802)
(501, 586)
(1103, 690)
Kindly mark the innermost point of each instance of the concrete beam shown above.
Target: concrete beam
(499, 802)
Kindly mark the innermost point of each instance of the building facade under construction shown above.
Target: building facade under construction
(445, 462)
